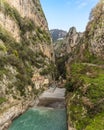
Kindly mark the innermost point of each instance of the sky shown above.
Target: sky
(63, 14)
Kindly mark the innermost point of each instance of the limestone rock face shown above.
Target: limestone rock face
(10, 25)
(95, 30)
(26, 54)
(30, 9)
(72, 39)
(97, 43)
(69, 44)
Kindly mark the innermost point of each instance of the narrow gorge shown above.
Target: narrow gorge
(46, 85)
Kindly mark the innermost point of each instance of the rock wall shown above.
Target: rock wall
(72, 39)
(95, 30)
(27, 9)
(69, 44)
(26, 53)
(65, 51)
(10, 25)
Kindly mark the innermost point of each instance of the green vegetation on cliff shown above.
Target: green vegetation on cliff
(20, 56)
(2, 100)
(86, 87)
(19, 59)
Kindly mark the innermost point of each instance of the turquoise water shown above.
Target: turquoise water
(41, 119)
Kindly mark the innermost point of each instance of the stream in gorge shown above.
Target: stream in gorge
(49, 115)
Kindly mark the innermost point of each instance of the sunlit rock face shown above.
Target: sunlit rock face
(68, 47)
(26, 54)
(72, 40)
(95, 30)
(30, 9)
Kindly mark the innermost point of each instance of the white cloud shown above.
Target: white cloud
(84, 3)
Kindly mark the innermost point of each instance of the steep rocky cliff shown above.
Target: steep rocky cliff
(72, 39)
(95, 30)
(65, 50)
(26, 56)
